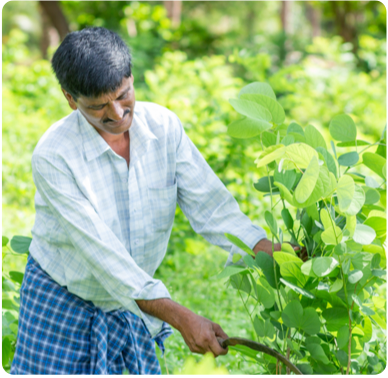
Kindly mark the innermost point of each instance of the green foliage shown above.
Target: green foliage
(341, 223)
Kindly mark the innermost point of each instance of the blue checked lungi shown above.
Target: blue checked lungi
(60, 333)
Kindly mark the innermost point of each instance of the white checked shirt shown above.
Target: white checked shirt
(102, 229)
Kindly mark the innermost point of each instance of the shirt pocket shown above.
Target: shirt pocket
(162, 207)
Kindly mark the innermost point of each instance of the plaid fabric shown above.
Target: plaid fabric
(59, 333)
(102, 229)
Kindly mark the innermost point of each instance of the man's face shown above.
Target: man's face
(110, 113)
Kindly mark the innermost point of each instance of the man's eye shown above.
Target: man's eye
(97, 107)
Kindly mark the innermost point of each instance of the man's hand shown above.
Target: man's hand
(200, 335)
(265, 245)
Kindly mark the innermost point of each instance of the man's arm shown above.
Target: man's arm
(199, 333)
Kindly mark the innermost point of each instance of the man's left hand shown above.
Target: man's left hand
(265, 245)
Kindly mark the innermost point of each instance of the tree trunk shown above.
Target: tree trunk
(285, 16)
(314, 16)
(174, 11)
(56, 17)
(286, 19)
(345, 21)
(45, 38)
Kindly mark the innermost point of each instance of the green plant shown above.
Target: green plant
(11, 282)
(325, 311)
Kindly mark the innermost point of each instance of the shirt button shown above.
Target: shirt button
(134, 211)
(136, 241)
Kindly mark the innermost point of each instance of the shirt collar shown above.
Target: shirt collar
(94, 144)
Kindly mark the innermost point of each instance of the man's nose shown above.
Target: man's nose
(115, 111)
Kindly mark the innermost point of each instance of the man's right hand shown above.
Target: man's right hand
(200, 335)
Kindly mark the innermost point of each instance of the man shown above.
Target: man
(108, 177)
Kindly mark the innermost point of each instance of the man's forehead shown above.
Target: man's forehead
(103, 98)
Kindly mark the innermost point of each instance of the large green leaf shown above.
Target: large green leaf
(371, 195)
(16, 277)
(330, 162)
(322, 266)
(247, 127)
(307, 183)
(266, 263)
(287, 178)
(382, 148)
(367, 328)
(355, 276)
(230, 271)
(364, 234)
(270, 154)
(287, 218)
(323, 188)
(337, 286)
(241, 282)
(357, 202)
(353, 143)
(332, 237)
(271, 222)
(307, 269)
(294, 316)
(343, 336)
(5, 241)
(374, 162)
(251, 109)
(345, 192)
(297, 289)
(285, 257)
(299, 154)
(314, 138)
(377, 221)
(310, 322)
(20, 244)
(285, 193)
(265, 293)
(335, 317)
(276, 110)
(325, 219)
(296, 129)
(317, 353)
(288, 139)
(291, 270)
(240, 244)
(6, 351)
(348, 159)
(258, 88)
(263, 328)
(263, 185)
(268, 138)
(342, 128)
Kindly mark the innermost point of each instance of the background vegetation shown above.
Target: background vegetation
(321, 59)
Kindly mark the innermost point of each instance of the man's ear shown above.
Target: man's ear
(70, 100)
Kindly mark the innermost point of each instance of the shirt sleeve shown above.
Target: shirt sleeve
(102, 252)
(210, 208)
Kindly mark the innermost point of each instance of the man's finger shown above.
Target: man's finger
(219, 332)
(216, 348)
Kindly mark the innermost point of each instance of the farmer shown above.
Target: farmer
(108, 177)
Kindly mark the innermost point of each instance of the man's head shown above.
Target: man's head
(93, 67)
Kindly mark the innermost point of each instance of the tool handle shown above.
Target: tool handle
(260, 348)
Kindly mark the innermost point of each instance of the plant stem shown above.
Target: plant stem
(350, 344)
(244, 303)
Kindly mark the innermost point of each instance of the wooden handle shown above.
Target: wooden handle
(231, 341)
